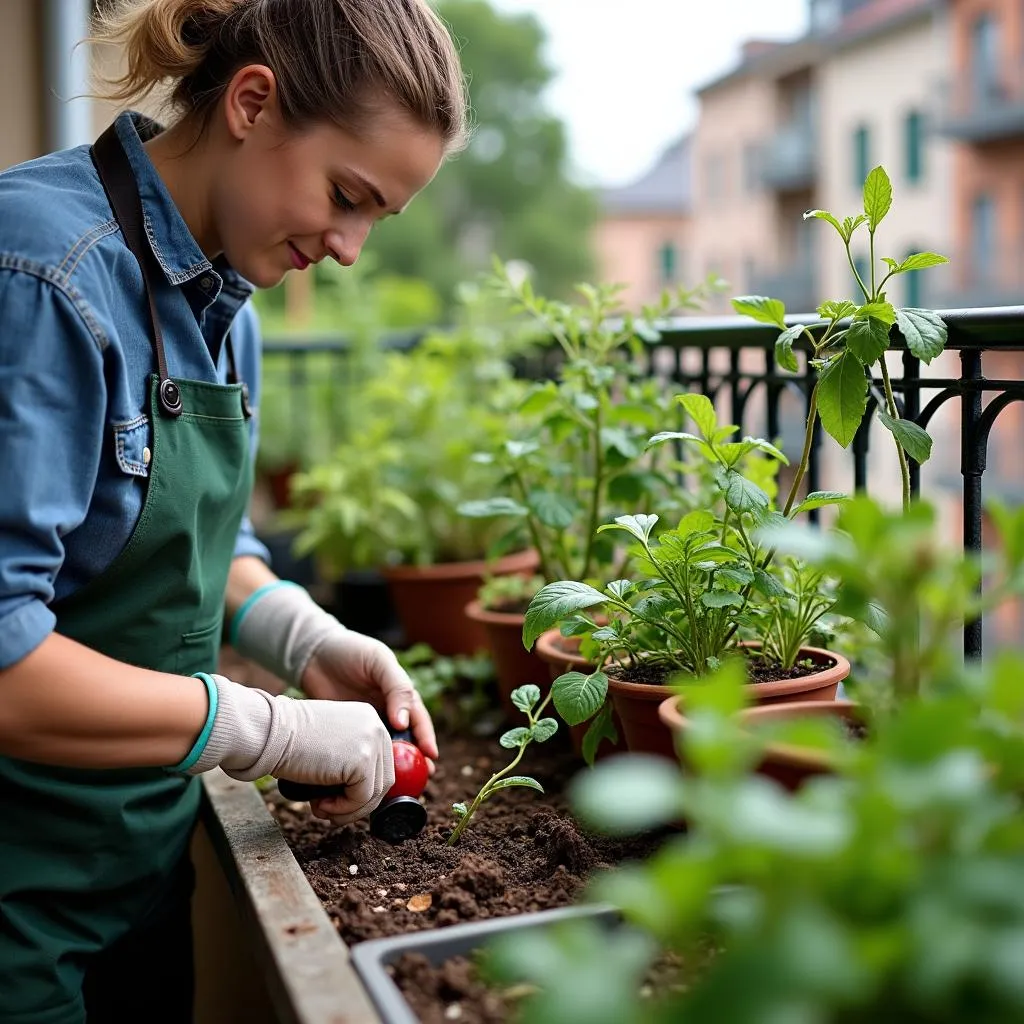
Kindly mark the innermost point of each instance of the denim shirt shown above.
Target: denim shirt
(75, 358)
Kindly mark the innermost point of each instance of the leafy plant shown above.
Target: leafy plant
(502, 592)
(455, 689)
(853, 336)
(389, 493)
(695, 585)
(889, 890)
(537, 730)
(579, 455)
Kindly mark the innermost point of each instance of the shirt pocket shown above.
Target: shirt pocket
(198, 651)
(133, 446)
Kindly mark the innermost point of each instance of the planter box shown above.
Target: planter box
(302, 962)
(372, 958)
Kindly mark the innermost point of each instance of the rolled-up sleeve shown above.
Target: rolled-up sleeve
(52, 403)
(245, 336)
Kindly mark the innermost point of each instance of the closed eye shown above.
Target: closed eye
(343, 200)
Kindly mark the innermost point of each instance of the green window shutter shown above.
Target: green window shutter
(864, 271)
(668, 263)
(861, 155)
(913, 143)
(912, 285)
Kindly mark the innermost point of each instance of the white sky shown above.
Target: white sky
(626, 69)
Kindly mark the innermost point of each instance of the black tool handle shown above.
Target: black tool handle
(309, 791)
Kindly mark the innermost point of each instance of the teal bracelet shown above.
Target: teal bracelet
(236, 622)
(204, 736)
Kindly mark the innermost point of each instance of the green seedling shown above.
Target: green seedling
(537, 729)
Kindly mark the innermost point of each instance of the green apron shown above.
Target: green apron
(86, 854)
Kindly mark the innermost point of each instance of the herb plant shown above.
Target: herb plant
(537, 729)
(853, 336)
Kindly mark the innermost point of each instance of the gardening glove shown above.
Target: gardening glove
(323, 742)
(282, 629)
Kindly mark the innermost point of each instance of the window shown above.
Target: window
(983, 237)
(912, 285)
(668, 263)
(985, 60)
(864, 272)
(913, 145)
(861, 155)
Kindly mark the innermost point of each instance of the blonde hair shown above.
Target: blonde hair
(334, 60)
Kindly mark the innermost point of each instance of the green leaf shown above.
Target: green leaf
(541, 398)
(877, 196)
(601, 728)
(921, 261)
(701, 411)
(867, 339)
(578, 696)
(554, 602)
(914, 440)
(766, 446)
(492, 507)
(842, 397)
(784, 354)
(721, 599)
(553, 510)
(617, 440)
(762, 309)
(924, 332)
(638, 526)
(544, 729)
(460, 809)
(833, 310)
(831, 218)
(850, 224)
(883, 311)
(517, 449)
(741, 494)
(526, 697)
(819, 499)
(515, 737)
(767, 584)
(681, 435)
(620, 588)
(516, 780)
(626, 488)
(626, 795)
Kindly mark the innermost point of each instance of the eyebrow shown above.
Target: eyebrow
(375, 192)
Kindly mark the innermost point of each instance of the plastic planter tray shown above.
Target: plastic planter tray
(370, 959)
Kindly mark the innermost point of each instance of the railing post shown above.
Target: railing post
(972, 466)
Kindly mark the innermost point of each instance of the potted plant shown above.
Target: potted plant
(578, 456)
(388, 497)
(700, 590)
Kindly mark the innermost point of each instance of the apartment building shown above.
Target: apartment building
(798, 125)
(643, 238)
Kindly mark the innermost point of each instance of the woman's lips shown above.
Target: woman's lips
(299, 261)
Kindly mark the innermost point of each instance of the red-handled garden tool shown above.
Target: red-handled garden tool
(399, 815)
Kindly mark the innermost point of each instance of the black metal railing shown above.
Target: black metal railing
(960, 398)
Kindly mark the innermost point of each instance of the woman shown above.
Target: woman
(126, 438)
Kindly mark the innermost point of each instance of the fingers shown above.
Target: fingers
(404, 705)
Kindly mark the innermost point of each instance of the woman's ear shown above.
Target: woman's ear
(251, 95)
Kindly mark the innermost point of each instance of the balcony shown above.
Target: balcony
(796, 286)
(984, 108)
(790, 163)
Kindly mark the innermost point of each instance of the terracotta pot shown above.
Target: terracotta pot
(645, 731)
(514, 665)
(431, 600)
(788, 764)
(561, 654)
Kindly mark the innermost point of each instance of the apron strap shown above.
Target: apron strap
(118, 180)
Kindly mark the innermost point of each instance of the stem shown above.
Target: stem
(546, 568)
(890, 403)
(856, 274)
(805, 456)
(595, 494)
(871, 249)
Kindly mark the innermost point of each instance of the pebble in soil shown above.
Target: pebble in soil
(522, 851)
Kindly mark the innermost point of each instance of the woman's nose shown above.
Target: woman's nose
(346, 245)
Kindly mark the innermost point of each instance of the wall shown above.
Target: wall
(21, 137)
(627, 252)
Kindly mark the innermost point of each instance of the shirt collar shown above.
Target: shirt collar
(176, 251)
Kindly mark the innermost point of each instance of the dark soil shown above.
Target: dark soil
(455, 990)
(512, 606)
(855, 730)
(758, 671)
(522, 852)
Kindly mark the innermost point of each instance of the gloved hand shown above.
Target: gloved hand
(324, 742)
(287, 633)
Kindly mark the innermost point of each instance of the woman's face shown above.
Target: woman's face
(283, 200)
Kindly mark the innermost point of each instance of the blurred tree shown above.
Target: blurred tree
(509, 192)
